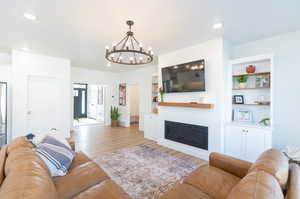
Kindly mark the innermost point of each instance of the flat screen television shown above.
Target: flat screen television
(188, 77)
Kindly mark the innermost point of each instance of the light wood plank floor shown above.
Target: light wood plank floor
(94, 140)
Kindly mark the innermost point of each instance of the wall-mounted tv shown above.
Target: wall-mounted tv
(188, 77)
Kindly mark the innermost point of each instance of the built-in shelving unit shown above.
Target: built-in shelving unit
(246, 137)
(256, 92)
(155, 93)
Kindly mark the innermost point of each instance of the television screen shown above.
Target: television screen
(188, 77)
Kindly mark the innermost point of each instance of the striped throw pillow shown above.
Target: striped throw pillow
(57, 156)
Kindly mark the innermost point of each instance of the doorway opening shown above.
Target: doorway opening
(134, 105)
(88, 104)
(3, 113)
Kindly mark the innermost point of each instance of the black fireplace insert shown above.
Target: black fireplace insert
(189, 134)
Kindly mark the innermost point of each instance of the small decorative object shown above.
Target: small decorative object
(263, 81)
(250, 69)
(243, 115)
(265, 122)
(162, 93)
(203, 100)
(122, 94)
(242, 80)
(238, 99)
(114, 115)
(262, 102)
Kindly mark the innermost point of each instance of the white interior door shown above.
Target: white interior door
(44, 104)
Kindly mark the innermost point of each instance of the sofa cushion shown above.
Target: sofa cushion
(2, 162)
(79, 179)
(27, 177)
(20, 142)
(293, 191)
(273, 162)
(104, 190)
(257, 185)
(212, 181)
(185, 191)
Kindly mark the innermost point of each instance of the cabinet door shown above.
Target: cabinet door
(255, 143)
(234, 141)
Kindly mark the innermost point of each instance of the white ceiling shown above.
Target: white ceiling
(80, 29)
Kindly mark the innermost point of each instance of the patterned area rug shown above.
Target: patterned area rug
(145, 172)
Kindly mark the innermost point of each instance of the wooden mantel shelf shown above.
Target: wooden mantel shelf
(191, 105)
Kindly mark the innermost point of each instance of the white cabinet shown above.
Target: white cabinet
(151, 126)
(247, 143)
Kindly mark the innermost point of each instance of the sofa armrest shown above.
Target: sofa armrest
(229, 164)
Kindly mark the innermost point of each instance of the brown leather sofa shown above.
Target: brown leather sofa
(270, 177)
(23, 175)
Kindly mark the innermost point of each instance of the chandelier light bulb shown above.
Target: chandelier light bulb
(149, 49)
(114, 43)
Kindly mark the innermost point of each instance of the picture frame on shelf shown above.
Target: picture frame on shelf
(243, 115)
(238, 99)
(262, 81)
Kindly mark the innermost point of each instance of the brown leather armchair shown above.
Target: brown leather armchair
(225, 177)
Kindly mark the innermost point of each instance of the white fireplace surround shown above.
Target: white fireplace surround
(213, 52)
(195, 116)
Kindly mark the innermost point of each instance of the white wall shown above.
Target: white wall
(286, 72)
(108, 79)
(25, 65)
(213, 53)
(142, 77)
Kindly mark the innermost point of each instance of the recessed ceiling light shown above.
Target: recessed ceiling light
(218, 25)
(30, 16)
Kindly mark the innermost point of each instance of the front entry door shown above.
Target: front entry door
(80, 101)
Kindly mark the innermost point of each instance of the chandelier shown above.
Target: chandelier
(129, 51)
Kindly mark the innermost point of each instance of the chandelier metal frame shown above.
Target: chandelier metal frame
(129, 51)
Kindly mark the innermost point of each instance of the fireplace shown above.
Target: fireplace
(189, 134)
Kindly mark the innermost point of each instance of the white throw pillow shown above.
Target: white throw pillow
(53, 133)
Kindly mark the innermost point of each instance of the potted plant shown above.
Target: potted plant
(242, 80)
(114, 115)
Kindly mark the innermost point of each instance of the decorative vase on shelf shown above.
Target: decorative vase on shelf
(243, 85)
(250, 69)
